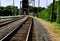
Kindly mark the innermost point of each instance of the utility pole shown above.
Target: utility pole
(13, 2)
(46, 3)
(34, 3)
(20, 3)
(34, 6)
(38, 5)
(12, 6)
(20, 10)
(52, 15)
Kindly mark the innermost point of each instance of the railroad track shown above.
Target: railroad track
(9, 28)
(2, 23)
(24, 30)
(21, 33)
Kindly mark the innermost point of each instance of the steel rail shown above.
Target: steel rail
(21, 22)
(29, 32)
(9, 21)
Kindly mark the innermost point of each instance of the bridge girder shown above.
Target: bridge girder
(25, 5)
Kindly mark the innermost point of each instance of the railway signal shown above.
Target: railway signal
(52, 15)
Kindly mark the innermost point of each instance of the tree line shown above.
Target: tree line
(46, 13)
(9, 11)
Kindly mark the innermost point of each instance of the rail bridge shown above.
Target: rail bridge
(25, 5)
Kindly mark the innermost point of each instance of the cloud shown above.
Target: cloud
(17, 2)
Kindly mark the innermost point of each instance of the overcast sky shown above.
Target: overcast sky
(43, 3)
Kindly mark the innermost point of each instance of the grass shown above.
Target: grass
(56, 26)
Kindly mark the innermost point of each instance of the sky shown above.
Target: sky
(43, 3)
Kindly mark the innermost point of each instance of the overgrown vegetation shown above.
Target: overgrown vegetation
(9, 11)
(46, 13)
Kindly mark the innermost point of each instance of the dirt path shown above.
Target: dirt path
(49, 27)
